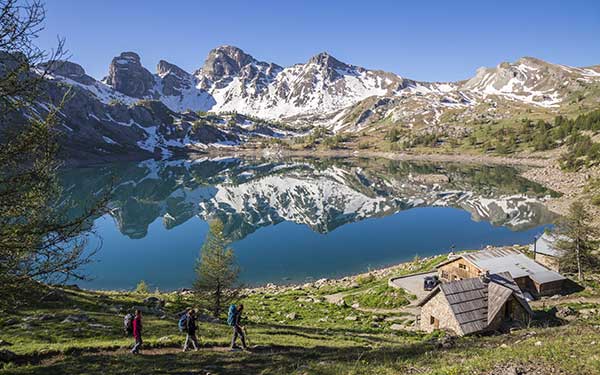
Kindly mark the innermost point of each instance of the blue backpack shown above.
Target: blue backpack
(182, 323)
(231, 315)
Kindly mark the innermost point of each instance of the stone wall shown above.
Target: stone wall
(439, 308)
(549, 261)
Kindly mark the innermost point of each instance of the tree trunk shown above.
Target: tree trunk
(217, 306)
(578, 256)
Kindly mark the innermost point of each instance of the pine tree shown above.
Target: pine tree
(576, 239)
(216, 271)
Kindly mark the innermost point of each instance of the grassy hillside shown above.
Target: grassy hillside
(292, 331)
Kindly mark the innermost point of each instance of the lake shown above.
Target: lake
(298, 219)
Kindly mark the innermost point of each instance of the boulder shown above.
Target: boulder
(98, 326)
(6, 356)
(566, 313)
(154, 301)
(351, 318)
(76, 318)
(10, 322)
(291, 316)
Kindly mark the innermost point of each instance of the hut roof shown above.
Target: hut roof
(476, 302)
(508, 260)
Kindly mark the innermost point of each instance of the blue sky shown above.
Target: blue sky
(424, 40)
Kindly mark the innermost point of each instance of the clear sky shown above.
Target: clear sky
(424, 40)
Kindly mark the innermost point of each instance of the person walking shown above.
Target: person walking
(190, 330)
(234, 320)
(137, 332)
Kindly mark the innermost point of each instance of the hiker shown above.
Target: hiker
(233, 319)
(128, 324)
(190, 330)
(137, 332)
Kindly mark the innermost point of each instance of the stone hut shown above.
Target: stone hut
(532, 277)
(468, 306)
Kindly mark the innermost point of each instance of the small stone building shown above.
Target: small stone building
(545, 252)
(467, 306)
(531, 276)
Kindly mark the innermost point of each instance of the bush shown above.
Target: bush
(365, 279)
(142, 287)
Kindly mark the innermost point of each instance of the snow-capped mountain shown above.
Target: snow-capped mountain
(530, 80)
(322, 85)
(133, 110)
(328, 91)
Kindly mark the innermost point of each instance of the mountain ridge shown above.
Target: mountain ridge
(323, 91)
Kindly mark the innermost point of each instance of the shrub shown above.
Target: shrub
(141, 287)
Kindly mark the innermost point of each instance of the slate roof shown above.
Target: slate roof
(475, 302)
(507, 260)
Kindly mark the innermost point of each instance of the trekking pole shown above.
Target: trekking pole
(246, 336)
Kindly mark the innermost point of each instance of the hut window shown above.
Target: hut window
(462, 266)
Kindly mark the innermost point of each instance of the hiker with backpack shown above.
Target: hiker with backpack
(128, 324)
(137, 332)
(234, 318)
(187, 324)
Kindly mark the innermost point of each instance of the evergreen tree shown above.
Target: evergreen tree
(576, 239)
(216, 271)
(38, 240)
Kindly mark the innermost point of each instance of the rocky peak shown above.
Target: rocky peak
(225, 61)
(329, 67)
(174, 79)
(324, 59)
(165, 68)
(69, 70)
(127, 75)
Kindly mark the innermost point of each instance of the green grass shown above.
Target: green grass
(294, 332)
(380, 296)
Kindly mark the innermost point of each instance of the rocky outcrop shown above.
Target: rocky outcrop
(127, 75)
(174, 79)
(69, 70)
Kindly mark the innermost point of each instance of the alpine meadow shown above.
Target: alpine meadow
(299, 187)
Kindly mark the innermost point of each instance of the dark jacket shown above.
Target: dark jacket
(190, 324)
(137, 327)
(237, 318)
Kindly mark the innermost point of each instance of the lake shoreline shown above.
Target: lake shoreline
(531, 161)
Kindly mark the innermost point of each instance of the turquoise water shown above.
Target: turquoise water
(297, 220)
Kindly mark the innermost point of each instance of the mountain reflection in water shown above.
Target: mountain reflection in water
(321, 194)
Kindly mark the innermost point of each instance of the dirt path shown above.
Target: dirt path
(52, 358)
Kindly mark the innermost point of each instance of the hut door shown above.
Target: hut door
(508, 310)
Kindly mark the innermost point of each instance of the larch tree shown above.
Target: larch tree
(38, 240)
(216, 271)
(576, 238)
